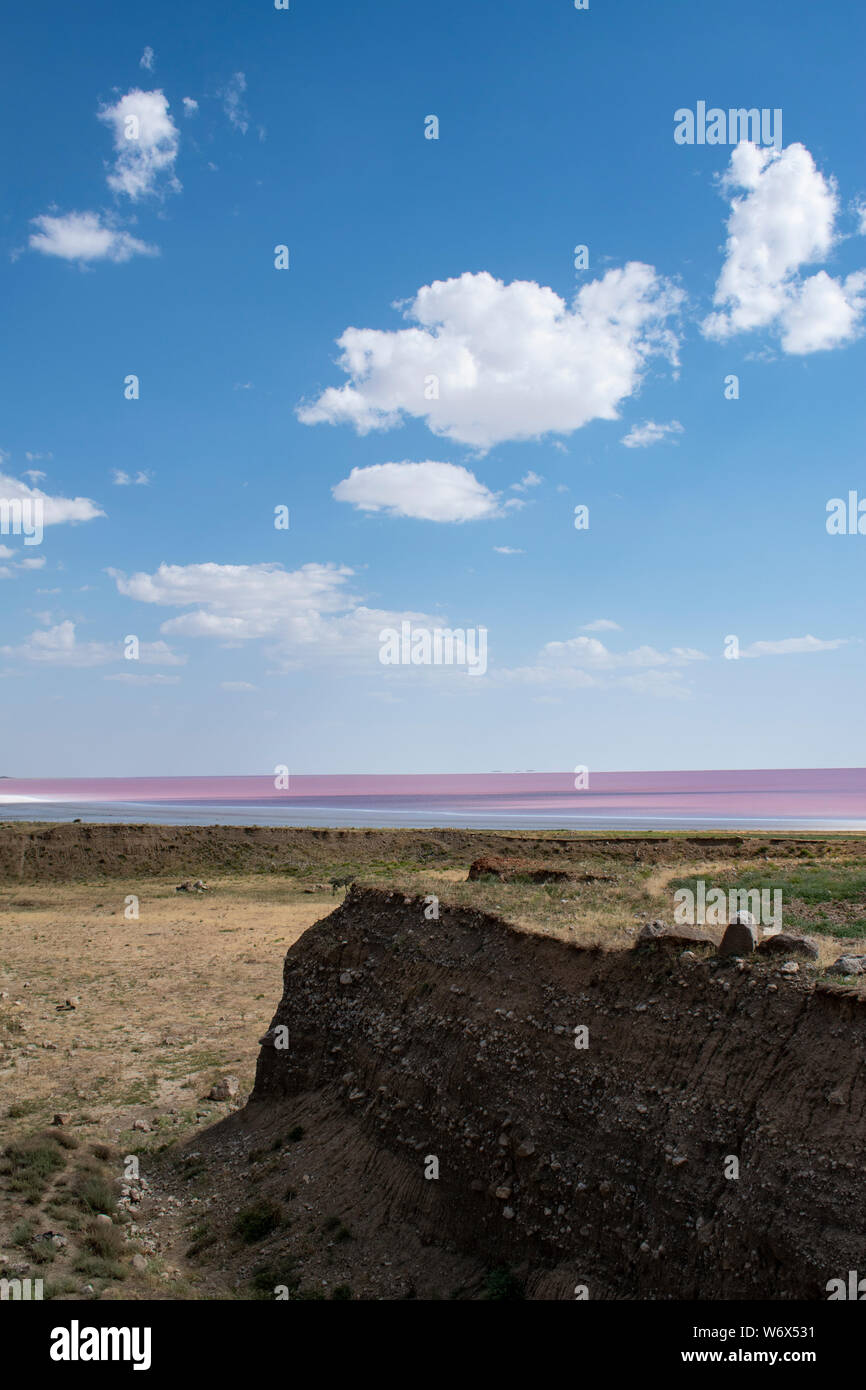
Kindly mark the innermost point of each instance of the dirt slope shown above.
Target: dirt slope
(602, 1166)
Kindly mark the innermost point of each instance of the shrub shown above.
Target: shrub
(257, 1221)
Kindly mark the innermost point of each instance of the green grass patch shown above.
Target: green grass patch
(30, 1166)
(257, 1220)
(805, 891)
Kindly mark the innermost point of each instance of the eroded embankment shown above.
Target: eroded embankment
(63, 852)
(603, 1166)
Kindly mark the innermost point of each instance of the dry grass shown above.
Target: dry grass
(171, 1001)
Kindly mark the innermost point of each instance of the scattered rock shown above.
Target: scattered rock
(225, 1089)
(789, 967)
(672, 936)
(650, 930)
(139, 1263)
(848, 965)
(62, 1118)
(141, 1125)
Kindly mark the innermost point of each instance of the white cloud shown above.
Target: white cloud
(36, 458)
(783, 220)
(146, 140)
(589, 652)
(233, 102)
(306, 615)
(147, 59)
(585, 662)
(601, 625)
(427, 491)
(34, 562)
(55, 510)
(121, 479)
(59, 646)
(237, 685)
(641, 436)
(793, 645)
(83, 236)
(825, 313)
(508, 550)
(529, 479)
(190, 106)
(512, 361)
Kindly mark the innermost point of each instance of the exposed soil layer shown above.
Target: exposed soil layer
(514, 870)
(68, 851)
(607, 1166)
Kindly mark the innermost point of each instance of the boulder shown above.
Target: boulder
(785, 943)
(848, 965)
(225, 1089)
(741, 937)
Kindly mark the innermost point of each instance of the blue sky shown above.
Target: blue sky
(154, 256)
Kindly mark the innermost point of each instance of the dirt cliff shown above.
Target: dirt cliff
(608, 1166)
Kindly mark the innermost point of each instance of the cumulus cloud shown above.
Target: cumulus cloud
(783, 213)
(55, 510)
(59, 646)
(84, 236)
(306, 616)
(426, 491)
(484, 362)
(788, 646)
(641, 436)
(146, 142)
